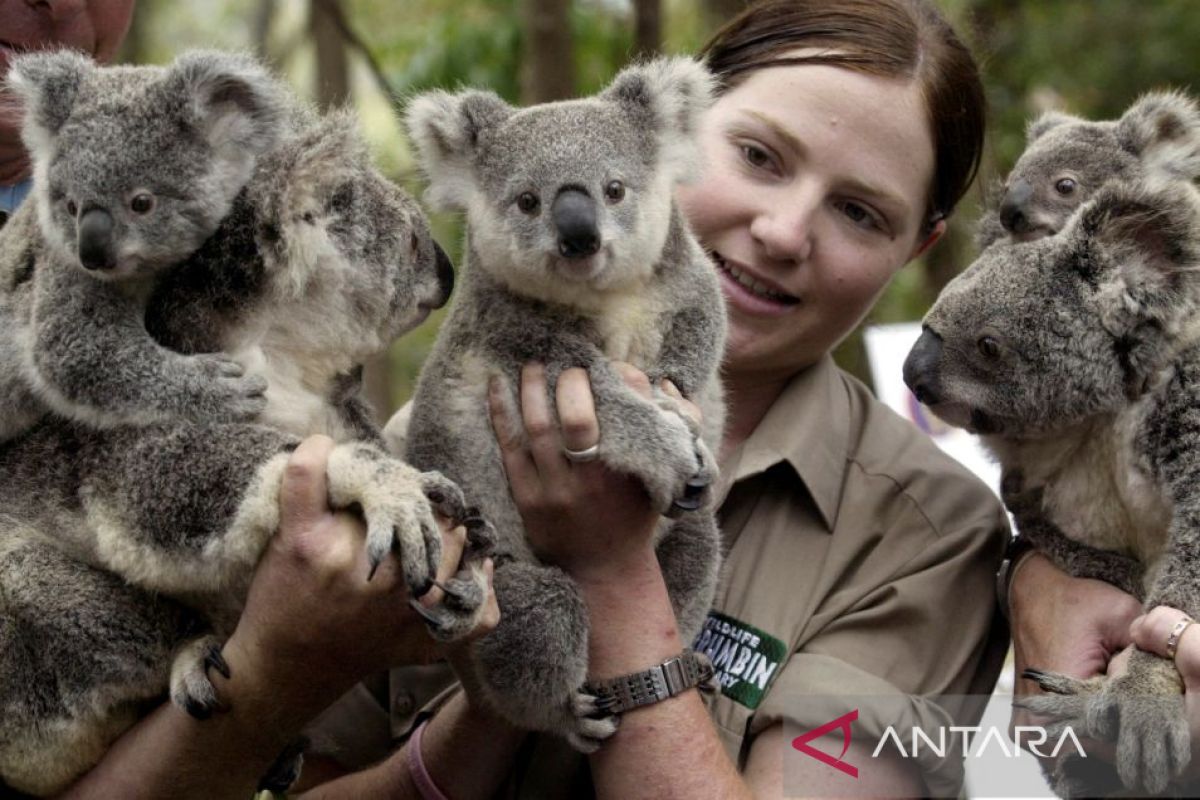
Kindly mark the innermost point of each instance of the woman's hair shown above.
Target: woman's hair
(890, 38)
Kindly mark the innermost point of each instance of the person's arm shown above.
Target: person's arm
(313, 625)
(670, 748)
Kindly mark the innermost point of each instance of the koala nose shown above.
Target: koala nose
(1012, 214)
(921, 367)
(574, 215)
(95, 239)
(445, 270)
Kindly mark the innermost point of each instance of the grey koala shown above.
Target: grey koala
(578, 256)
(1076, 358)
(125, 552)
(157, 528)
(1067, 159)
(134, 169)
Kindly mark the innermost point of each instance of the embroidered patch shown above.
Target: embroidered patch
(745, 658)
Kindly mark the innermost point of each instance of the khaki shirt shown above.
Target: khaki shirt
(860, 561)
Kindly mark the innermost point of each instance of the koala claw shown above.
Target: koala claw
(481, 535)
(460, 609)
(191, 689)
(591, 723)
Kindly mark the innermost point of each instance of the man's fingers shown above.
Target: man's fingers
(634, 378)
(304, 496)
(577, 410)
(544, 441)
(1152, 631)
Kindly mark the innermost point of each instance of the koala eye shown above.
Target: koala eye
(72, 208)
(528, 202)
(142, 203)
(988, 346)
(615, 191)
(1065, 186)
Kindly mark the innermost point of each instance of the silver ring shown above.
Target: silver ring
(1176, 633)
(582, 456)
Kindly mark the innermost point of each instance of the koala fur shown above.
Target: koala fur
(1067, 159)
(126, 550)
(578, 256)
(134, 169)
(1076, 358)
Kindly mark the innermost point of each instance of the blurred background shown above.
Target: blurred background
(1087, 57)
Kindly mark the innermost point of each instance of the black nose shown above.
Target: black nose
(445, 270)
(574, 215)
(95, 239)
(1012, 209)
(921, 367)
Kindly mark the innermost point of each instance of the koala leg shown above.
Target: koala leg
(1074, 558)
(81, 655)
(690, 556)
(641, 439)
(534, 664)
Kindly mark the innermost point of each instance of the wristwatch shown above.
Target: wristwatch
(675, 675)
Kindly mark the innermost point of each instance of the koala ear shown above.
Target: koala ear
(232, 100)
(1151, 229)
(1046, 122)
(669, 96)
(446, 129)
(1163, 128)
(48, 83)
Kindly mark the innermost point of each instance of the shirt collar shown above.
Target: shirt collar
(807, 427)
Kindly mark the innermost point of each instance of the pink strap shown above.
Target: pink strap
(416, 767)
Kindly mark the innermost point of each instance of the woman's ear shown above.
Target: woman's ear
(930, 239)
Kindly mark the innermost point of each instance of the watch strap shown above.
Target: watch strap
(674, 676)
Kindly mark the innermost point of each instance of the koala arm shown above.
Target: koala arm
(93, 360)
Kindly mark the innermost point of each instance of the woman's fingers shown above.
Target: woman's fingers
(1165, 628)
(577, 410)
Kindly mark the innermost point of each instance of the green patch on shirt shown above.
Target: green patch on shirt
(745, 658)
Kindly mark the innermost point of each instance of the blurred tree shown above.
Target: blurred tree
(719, 12)
(647, 27)
(264, 12)
(548, 54)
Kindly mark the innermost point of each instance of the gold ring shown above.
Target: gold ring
(1176, 632)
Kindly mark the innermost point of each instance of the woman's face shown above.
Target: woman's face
(813, 194)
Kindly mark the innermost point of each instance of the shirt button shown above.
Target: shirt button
(403, 704)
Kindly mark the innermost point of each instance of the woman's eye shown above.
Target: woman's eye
(756, 157)
(860, 215)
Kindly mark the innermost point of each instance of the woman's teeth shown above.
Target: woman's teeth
(755, 286)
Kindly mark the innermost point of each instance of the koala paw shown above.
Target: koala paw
(697, 490)
(445, 496)
(1142, 711)
(191, 689)
(481, 535)
(588, 725)
(224, 391)
(463, 602)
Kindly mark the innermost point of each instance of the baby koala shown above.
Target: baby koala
(578, 257)
(1067, 159)
(1076, 358)
(134, 169)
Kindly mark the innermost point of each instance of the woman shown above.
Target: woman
(861, 560)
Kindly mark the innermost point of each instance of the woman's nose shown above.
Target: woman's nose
(783, 227)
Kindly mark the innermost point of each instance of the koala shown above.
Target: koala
(157, 527)
(134, 169)
(1076, 358)
(577, 256)
(1068, 159)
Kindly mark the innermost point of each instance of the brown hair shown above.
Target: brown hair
(891, 38)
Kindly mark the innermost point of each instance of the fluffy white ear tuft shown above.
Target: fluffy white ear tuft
(446, 130)
(669, 95)
(234, 101)
(1163, 129)
(47, 83)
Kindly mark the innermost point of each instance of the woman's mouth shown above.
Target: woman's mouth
(750, 292)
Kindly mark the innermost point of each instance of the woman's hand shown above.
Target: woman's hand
(581, 516)
(313, 622)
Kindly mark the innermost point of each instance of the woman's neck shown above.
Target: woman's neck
(748, 400)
